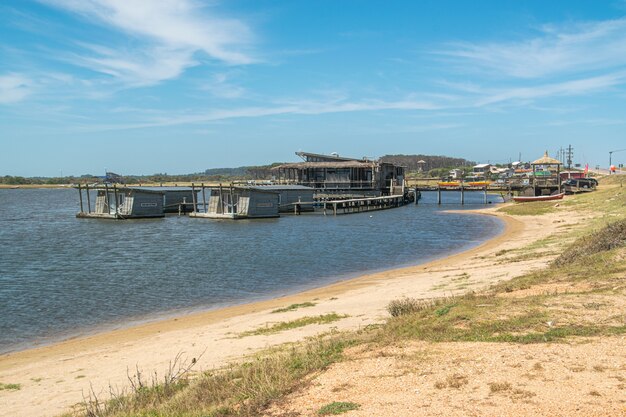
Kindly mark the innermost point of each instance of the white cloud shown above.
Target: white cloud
(302, 108)
(558, 50)
(14, 88)
(220, 86)
(567, 88)
(172, 32)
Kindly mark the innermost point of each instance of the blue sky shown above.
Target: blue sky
(142, 86)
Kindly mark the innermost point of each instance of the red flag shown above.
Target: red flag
(586, 169)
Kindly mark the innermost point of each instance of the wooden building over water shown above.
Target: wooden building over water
(122, 202)
(335, 174)
(236, 202)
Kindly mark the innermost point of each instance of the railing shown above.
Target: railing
(325, 184)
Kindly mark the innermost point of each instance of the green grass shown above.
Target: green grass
(336, 408)
(288, 325)
(10, 387)
(244, 389)
(293, 307)
(534, 208)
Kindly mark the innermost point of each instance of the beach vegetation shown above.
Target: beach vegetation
(336, 408)
(607, 238)
(288, 325)
(496, 387)
(293, 307)
(407, 305)
(535, 208)
(10, 387)
(242, 389)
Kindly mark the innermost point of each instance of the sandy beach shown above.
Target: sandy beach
(56, 377)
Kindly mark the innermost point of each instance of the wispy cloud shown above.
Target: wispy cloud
(558, 50)
(14, 88)
(568, 88)
(221, 86)
(295, 108)
(167, 36)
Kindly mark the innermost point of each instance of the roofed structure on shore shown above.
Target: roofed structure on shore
(342, 174)
(546, 175)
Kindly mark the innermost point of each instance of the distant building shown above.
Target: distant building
(481, 170)
(456, 174)
(121, 202)
(341, 174)
(232, 202)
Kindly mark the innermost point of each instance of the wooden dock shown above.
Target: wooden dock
(352, 205)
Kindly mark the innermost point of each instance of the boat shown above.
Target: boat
(449, 184)
(478, 183)
(524, 199)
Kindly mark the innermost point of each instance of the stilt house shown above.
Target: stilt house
(335, 173)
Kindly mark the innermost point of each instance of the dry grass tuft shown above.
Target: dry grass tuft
(610, 237)
(406, 306)
(495, 387)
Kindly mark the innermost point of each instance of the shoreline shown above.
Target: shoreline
(135, 329)
(59, 375)
(238, 307)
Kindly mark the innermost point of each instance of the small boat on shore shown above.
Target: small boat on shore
(524, 199)
(478, 183)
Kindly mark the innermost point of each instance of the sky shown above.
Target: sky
(179, 86)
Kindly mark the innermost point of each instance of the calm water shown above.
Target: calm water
(61, 276)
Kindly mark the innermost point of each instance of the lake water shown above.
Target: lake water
(61, 276)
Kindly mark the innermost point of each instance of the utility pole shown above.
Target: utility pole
(570, 155)
(611, 158)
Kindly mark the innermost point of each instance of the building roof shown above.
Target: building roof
(160, 189)
(546, 160)
(338, 164)
(319, 155)
(281, 187)
(482, 165)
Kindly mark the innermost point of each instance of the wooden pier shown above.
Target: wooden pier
(352, 205)
(462, 190)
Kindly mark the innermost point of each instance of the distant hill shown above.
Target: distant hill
(228, 172)
(431, 161)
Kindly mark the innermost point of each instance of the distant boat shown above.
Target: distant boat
(449, 184)
(522, 199)
(478, 183)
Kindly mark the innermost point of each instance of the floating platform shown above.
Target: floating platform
(122, 202)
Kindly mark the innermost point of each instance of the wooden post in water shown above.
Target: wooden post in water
(220, 207)
(203, 200)
(88, 201)
(106, 190)
(335, 208)
(416, 196)
(438, 194)
(232, 199)
(462, 194)
(116, 200)
(80, 197)
(485, 191)
(193, 197)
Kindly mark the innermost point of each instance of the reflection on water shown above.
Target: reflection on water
(61, 276)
